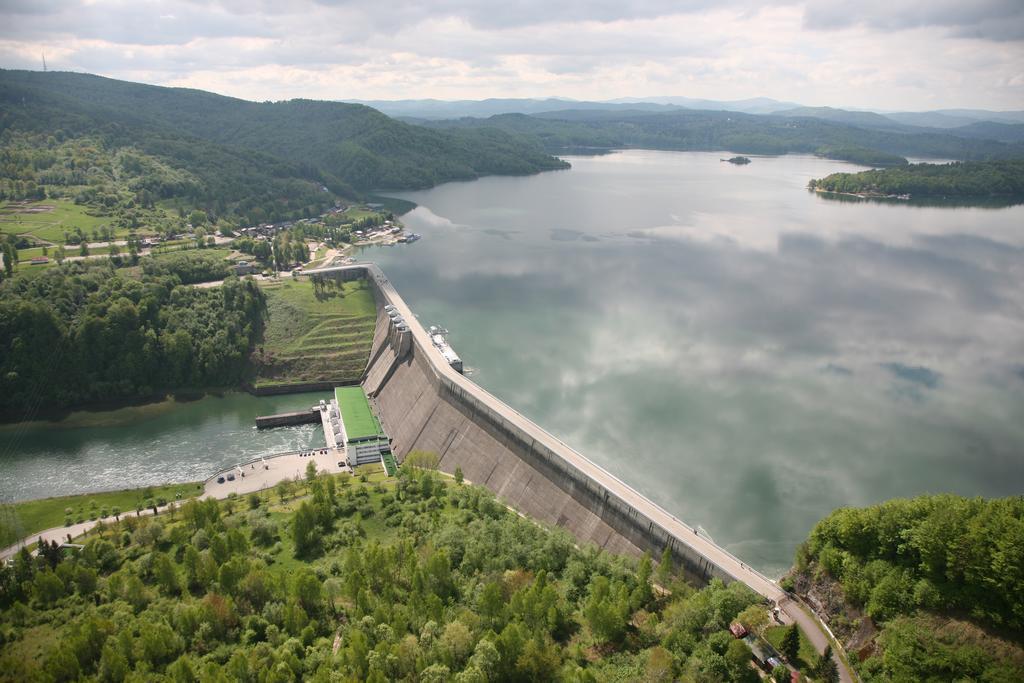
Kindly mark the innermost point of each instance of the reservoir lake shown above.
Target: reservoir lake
(747, 354)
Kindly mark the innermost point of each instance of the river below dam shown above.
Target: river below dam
(156, 443)
(747, 354)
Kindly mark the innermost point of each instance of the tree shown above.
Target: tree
(309, 591)
(304, 530)
(737, 661)
(458, 475)
(781, 674)
(165, 573)
(754, 618)
(659, 665)
(198, 218)
(790, 645)
(62, 665)
(605, 614)
(310, 471)
(826, 668)
(457, 643)
(113, 666)
(10, 254)
(665, 568)
(424, 460)
(47, 588)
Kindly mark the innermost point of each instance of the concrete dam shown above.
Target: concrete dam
(424, 404)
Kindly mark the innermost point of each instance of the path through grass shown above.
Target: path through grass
(33, 516)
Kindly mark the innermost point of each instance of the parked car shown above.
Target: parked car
(231, 477)
(220, 480)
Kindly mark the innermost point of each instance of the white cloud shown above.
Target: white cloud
(883, 55)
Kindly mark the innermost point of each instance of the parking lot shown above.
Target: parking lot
(278, 468)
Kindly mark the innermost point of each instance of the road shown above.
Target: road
(280, 468)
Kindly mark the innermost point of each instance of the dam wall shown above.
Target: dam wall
(424, 404)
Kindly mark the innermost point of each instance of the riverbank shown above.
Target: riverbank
(265, 473)
(25, 518)
(152, 444)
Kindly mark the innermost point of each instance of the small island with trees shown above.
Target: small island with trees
(739, 161)
(994, 179)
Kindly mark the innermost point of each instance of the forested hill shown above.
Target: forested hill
(971, 179)
(341, 145)
(736, 132)
(925, 589)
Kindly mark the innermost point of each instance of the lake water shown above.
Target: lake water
(151, 444)
(747, 354)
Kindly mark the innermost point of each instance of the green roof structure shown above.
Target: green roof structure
(360, 422)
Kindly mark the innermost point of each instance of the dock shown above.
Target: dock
(302, 417)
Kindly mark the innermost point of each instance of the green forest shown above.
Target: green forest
(1001, 178)
(339, 578)
(91, 332)
(734, 132)
(941, 577)
(256, 161)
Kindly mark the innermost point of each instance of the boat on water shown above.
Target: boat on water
(439, 338)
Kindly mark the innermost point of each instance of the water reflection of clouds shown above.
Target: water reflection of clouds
(762, 360)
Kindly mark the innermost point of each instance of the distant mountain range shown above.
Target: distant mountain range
(455, 109)
(241, 154)
(284, 159)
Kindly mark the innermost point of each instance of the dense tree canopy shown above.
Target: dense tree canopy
(998, 178)
(261, 161)
(81, 333)
(932, 572)
(414, 579)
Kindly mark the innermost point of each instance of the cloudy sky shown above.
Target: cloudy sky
(885, 54)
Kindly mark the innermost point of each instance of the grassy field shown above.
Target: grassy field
(315, 339)
(355, 410)
(355, 213)
(48, 223)
(808, 655)
(25, 255)
(46, 513)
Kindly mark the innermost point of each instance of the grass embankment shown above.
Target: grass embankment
(34, 516)
(49, 220)
(315, 336)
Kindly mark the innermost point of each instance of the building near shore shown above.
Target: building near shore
(366, 441)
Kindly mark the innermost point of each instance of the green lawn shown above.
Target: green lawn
(25, 255)
(359, 420)
(46, 513)
(315, 339)
(173, 253)
(808, 655)
(48, 220)
(355, 213)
